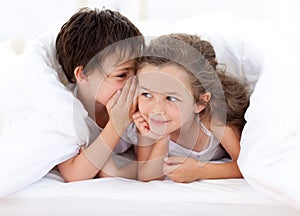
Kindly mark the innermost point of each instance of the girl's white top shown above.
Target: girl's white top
(212, 151)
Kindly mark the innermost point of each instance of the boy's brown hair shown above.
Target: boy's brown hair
(88, 32)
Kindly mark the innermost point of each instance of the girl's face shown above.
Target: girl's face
(114, 80)
(165, 98)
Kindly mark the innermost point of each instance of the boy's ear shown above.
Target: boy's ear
(80, 76)
(205, 97)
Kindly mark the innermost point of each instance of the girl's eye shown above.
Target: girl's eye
(172, 99)
(147, 95)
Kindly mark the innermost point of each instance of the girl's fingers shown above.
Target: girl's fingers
(136, 115)
(174, 160)
(168, 169)
(142, 126)
(139, 120)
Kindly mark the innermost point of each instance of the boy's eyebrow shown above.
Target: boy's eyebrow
(167, 93)
(125, 67)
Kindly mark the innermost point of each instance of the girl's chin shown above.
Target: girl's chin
(157, 135)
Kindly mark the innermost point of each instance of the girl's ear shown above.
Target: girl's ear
(80, 76)
(205, 97)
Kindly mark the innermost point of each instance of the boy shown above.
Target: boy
(65, 100)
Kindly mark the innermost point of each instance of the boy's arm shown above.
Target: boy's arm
(90, 161)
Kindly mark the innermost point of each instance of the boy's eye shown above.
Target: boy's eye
(147, 95)
(172, 99)
(122, 75)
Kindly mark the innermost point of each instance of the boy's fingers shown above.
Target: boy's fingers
(132, 91)
(136, 93)
(114, 99)
(128, 90)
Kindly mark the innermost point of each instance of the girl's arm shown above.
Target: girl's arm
(181, 169)
(151, 151)
(231, 143)
(151, 160)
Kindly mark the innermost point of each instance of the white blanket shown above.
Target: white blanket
(270, 146)
(37, 116)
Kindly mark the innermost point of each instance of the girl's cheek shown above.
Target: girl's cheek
(143, 106)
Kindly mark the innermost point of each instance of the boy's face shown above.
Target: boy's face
(165, 100)
(115, 80)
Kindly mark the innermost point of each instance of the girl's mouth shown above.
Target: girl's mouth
(157, 122)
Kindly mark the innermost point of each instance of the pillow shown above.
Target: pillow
(270, 145)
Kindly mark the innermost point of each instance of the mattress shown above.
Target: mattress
(114, 196)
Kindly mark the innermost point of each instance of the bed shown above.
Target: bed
(115, 196)
(262, 192)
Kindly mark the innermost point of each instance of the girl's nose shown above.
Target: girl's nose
(158, 107)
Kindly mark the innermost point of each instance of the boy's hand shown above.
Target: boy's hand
(122, 105)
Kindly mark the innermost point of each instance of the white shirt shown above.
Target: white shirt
(213, 151)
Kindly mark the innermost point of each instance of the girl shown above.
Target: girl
(188, 110)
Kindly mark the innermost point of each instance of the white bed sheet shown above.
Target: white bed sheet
(115, 196)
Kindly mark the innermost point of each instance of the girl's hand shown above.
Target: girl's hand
(122, 105)
(141, 124)
(143, 127)
(181, 169)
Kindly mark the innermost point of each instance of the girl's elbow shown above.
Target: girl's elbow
(147, 178)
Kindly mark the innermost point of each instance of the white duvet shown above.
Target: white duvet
(270, 146)
(35, 109)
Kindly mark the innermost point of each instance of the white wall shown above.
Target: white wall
(29, 18)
